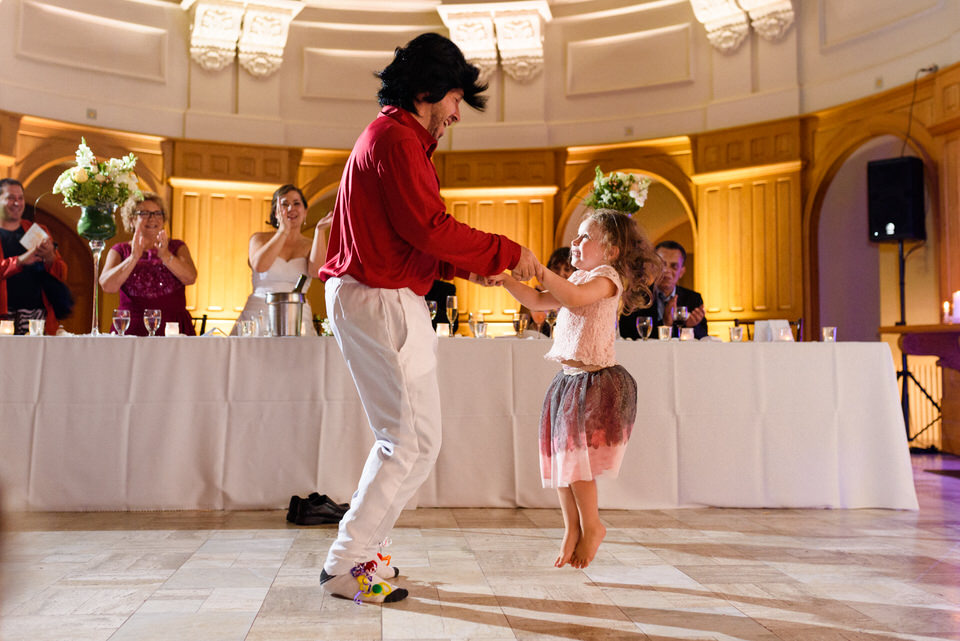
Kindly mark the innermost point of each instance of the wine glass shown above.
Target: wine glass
(644, 326)
(519, 323)
(432, 306)
(121, 321)
(151, 318)
(551, 320)
(537, 319)
(680, 318)
(452, 311)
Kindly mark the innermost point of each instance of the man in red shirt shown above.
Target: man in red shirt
(391, 237)
(22, 271)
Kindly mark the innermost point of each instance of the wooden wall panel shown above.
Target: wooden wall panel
(524, 215)
(750, 255)
(216, 220)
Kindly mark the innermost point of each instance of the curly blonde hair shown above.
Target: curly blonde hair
(636, 261)
(128, 215)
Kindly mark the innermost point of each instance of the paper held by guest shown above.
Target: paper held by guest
(34, 236)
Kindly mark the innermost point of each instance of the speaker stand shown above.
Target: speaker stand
(904, 375)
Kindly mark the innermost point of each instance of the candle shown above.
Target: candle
(6, 327)
(956, 303)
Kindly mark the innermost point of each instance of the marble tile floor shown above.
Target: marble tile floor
(479, 574)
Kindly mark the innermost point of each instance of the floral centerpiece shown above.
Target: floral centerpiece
(620, 191)
(98, 188)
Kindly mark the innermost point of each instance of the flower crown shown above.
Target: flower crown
(91, 183)
(620, 191)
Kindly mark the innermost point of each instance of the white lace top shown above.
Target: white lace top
(587, 333)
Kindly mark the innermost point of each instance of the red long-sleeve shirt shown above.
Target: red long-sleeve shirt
(390, 227)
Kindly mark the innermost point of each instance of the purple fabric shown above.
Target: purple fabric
(153, 286)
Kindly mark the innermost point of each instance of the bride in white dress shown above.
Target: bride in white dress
(277, 259)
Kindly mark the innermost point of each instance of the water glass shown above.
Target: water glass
(432, 308)
(829, 334)
(121, 321)
(151, 319)
(481, 329)
(248, 327)
(664, 332)
(35, 326)
(644, 326)
(736, 334)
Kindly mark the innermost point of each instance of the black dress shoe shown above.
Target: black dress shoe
(294, 508)
(322, 499)
(312, 514)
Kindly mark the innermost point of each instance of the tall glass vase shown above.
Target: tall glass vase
(97, 225)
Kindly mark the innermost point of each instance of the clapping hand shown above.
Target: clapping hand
(29, 257)
(45, 250)
(696, 315)
(163, 245)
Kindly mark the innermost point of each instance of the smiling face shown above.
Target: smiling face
(437, 116)
(673, 269)
(291, 207)
(587, 250)
(11, 205)
(149, 219)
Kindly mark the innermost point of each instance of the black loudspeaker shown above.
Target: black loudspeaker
(895, 203)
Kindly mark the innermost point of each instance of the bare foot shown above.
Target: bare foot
(588, 544)
(570, 539)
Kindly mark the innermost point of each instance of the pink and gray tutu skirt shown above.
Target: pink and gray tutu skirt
(586, 421)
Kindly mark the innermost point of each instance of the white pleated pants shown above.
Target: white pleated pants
(390, 348)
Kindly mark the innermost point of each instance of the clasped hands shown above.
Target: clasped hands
(45, 252)
(526, 268)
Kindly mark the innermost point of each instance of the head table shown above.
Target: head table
(123, 423)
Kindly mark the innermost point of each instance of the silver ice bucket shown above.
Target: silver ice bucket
(286, 311)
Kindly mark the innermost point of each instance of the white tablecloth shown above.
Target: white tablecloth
(109, 423)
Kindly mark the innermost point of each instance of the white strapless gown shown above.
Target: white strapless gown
(281, 277)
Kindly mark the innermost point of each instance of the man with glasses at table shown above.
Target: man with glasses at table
(23, 271)
(668, 295)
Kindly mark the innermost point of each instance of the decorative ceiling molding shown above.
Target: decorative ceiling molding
(213, 38)
(770, 18)
(514, 30)
(474, 34)
(520, 41)
(258, 29)
(263, 38)
(726, 24)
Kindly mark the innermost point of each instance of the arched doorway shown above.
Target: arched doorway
(664, 216)
(858, 280)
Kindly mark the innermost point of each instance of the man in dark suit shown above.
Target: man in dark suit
(439, 292)
(668, 296)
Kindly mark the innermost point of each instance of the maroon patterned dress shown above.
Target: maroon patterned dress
(153, 286)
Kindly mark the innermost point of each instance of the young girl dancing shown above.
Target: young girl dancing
(590, 406)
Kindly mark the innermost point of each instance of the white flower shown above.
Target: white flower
(85, 157)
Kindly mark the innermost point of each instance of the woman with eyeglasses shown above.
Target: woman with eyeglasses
(278, 258)
(152, 270)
